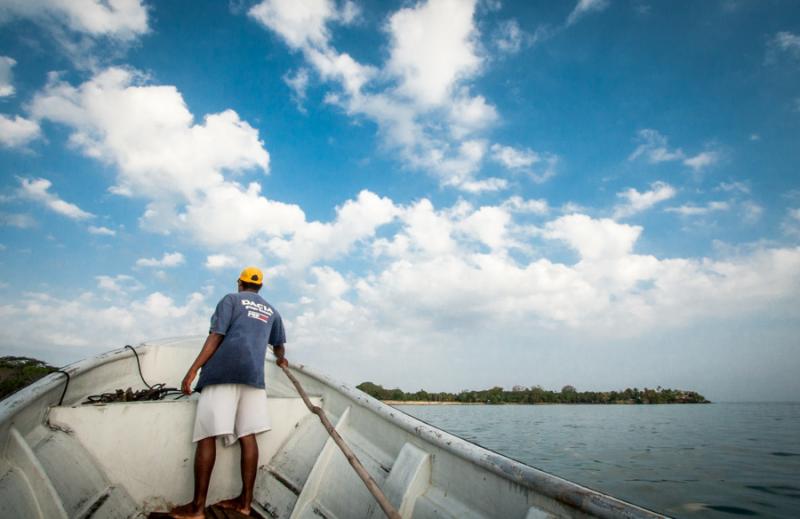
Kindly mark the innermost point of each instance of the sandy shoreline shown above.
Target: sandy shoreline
(431, 402)
(428, 402)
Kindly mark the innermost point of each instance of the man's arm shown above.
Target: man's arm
(212, 343)
(279, 352)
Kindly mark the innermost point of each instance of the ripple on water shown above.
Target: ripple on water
(713, 462)
(735, 510)
(642, 480)
(777, 490)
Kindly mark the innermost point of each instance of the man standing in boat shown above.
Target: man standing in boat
(233, 398)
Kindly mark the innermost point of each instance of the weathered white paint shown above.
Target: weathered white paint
(48, 503)
(126, 459)
(410, 478)
(163, 476)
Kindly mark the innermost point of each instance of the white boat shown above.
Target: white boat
(125, 460)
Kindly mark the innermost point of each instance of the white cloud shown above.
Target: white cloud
(350, 13)
(149, 134)
(510, 37)
(119, 19)
(488, 225)
(119, 284)
(220, 261)
(185, 170)
(489, 185)
(102, 231)
(419, 99)
(636, 202)
(300, 24)
(298, 83)
(733, 187)
(37, 190)
(584, 7)
(540, 167)
(518, 205)
(425, 233)
(654, 148)
(6, 76)
(642, 8)
(91, 322)
(468, 114)
(433, 46)
(594, 239)
(168, 260)
(751, 211)
(572, 207)
(18, 220)
(513, 158)
(461, 167)
(791, 222)
(432, 281)
(788, 42)
(356, 220)
(702, 160)
(226, 214)
(17, 131)
(695, 210)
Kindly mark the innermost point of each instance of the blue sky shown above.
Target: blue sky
(445, 194)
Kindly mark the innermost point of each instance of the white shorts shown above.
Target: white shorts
(231, 411)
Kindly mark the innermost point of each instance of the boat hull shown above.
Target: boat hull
(129, 459)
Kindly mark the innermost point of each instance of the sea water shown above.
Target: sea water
(721, 460)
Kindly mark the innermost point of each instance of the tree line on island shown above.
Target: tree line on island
(538, 395)
(18, 372)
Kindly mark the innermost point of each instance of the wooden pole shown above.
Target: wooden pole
(373, 487)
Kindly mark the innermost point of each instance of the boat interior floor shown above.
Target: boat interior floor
(213, 512)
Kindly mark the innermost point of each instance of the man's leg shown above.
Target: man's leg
(249, 466)
(204, 457)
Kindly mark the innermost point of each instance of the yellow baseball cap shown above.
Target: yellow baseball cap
(251, 275)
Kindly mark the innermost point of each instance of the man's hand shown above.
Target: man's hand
(186, 385)
(209, 347)
(279, 351)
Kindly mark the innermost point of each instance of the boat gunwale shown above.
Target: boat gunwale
(17, 401)
(562, 490)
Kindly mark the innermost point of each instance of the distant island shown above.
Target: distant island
(536, 395)
(18, 372)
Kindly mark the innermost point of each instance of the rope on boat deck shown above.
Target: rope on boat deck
(138, 365)
(154, 392)
(64, 392)
(373, 487)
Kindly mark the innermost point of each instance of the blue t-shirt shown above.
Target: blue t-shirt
(248, 323)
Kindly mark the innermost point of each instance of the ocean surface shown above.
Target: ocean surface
(722, 460)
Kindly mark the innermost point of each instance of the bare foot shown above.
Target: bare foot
(235, 504)
(188, 511)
